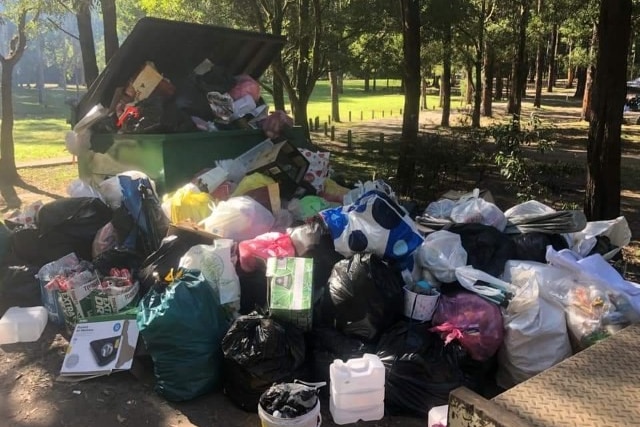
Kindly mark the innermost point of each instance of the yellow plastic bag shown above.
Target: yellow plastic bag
(187, 204)
(251, 182)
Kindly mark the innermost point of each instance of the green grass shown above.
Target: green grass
(40, 130)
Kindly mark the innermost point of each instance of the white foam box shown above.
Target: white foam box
(22, 324)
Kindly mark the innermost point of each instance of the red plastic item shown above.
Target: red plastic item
(129, 111)
(262, 247)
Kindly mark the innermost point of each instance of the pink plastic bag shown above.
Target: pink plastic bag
(474, 322)
(106, 238)
(275, 123)
(262, 247)
(245, 85)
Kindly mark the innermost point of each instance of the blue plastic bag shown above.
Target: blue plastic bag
(374, 223)
(182, 327)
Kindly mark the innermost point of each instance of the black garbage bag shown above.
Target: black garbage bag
(167, 257)
(253, 289)
(259, 352)
(487, 248)
(533, 246)
(289, 400)
(117, 258)
(366, 294)
(158, 114)
(420, 370)
(19, 286)
(328, 345)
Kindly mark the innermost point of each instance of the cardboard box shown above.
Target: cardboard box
(100, 348)
(290, 290)
(285, 164)
(199, 235)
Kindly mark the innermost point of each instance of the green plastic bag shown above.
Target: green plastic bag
(182, 327)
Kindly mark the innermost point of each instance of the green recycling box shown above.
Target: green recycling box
(175, 48)
(291, 290)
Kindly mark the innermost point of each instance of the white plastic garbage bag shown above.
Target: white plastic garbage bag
(79, 188)
(477, 210)
(239, 218)
(536, 335)
(617, 230)
(441, 253)
(214, 261)
(440, 209)
(532, 207)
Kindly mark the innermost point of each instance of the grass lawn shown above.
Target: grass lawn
(40, 130)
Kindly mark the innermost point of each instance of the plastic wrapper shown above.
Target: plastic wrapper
(106, 238)
(27, 216)
(276, 123)
(289, 400)
(245, 85)
(476, 210)
(182, 327)
(485, 285)
(258, 352)
(252, 182)
(307, 207)
(362, 188)
(79, 188)
(221, 105)
(532, 207)
(473, 322)
(373, 224)
(366, 295)
(305, 237)
(616, 230)
(187, 204)
(441, 253)
(262, 247)
(239, 219)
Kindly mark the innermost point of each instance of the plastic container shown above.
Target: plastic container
(438, 416)
(365, 399)
(312, 418)
(347, 416)
(357, 375)
(420, 306)
(22, 324)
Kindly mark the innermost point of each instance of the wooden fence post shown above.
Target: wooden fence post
(333, 133)
(381, 143)
(349, 140)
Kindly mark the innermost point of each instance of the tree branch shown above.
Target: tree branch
(58, 26)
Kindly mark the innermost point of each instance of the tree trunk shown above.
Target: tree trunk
(366, 83)
(602, 197)
(411, 73)
(591, 75)
(424, 93)
(299, 110)
(445, 87)
(537, 100)
(335, 95)
(570, 68)
(499, 83)
(278, 93)
(373, 86)
(581, 75)
(552, 58)
(40, 71)
(487, 87)
(110, 26)
(468, 97)
(477, 98)
(87, 44)
(7, 153)
(520, 64)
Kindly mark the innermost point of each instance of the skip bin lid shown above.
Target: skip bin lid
(176, 48)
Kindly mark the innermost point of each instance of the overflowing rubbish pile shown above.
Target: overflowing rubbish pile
(262, 270)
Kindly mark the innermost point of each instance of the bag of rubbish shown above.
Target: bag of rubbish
(535, 337)
(475, 323)
(485, 285)
(188, 203)
(74, 220)
(420, 370)
(80, 188)
(4, 241)
(533, 246)
(476, 210)
(531, 207)
(262, 351)
(307, 207)
(263, 247)
(440, 209)
(275, 124)
(373, 224)
(616, 230)
(182, 328)
(289, 400)
(239, 219)
(19, 286)
(441, 253)
(366, 295)
(214, 261)
(487, 248)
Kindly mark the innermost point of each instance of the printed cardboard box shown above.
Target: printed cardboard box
(290, 290)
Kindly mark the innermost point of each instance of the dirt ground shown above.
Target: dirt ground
(31, 396)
